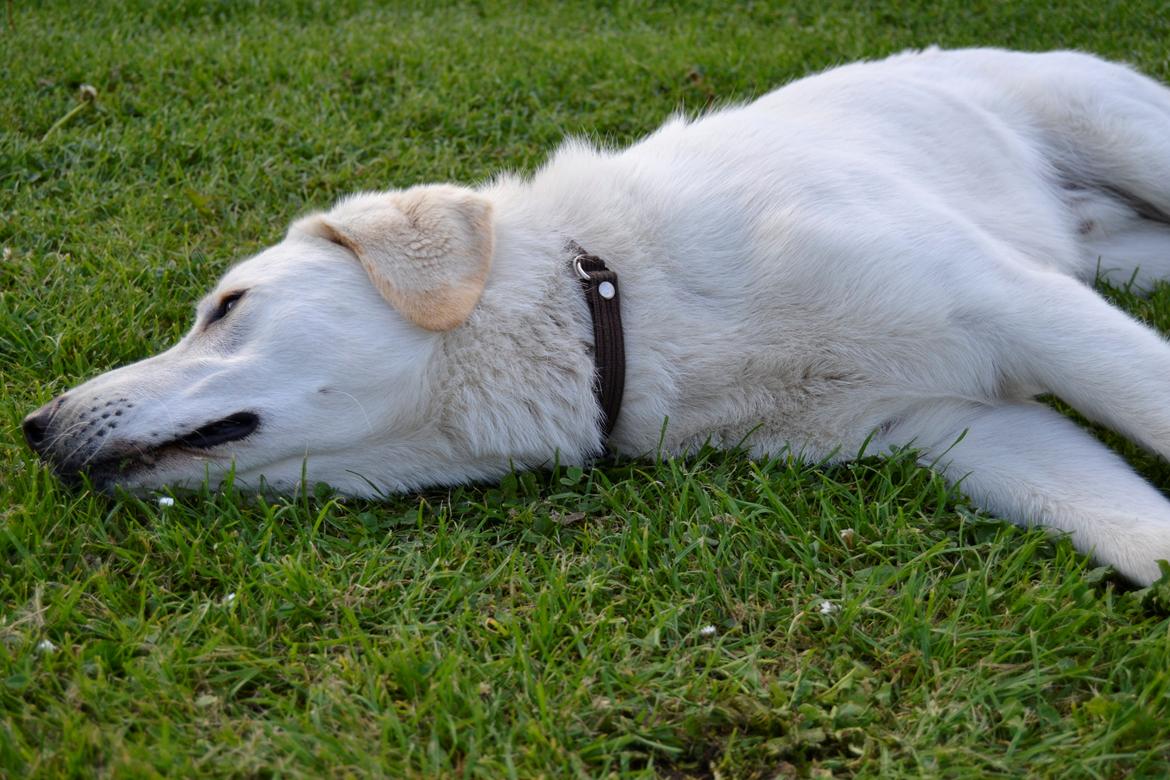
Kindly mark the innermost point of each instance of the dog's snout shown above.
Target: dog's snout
(36, 425)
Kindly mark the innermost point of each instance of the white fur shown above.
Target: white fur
(896, 250)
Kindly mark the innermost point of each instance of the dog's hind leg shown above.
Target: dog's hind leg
(1029, 464)
(1118, 244)
(1106, 126)
(1059, 336)
(1106, 130)
(1134, 251)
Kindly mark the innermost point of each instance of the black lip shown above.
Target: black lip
(231, 428)
(121, 461)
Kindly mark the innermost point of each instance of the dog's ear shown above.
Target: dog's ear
(427, 249)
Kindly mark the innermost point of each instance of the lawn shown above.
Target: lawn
(715, 617)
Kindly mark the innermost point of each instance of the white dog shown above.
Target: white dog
(886, 254)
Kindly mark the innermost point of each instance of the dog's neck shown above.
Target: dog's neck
(517, 379)
(524, 360)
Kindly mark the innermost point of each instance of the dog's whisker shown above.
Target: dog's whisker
(89, 458)
(74, 451)
(362, 409)
(65, 434)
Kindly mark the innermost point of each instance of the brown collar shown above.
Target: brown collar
(609, 353)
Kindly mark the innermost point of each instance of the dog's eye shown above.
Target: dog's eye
(226, 304)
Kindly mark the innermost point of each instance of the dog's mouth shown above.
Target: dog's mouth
(107, 471)
(231, 428)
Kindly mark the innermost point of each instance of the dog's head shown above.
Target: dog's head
(294, 353)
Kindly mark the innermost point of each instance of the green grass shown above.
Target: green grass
(551, 625)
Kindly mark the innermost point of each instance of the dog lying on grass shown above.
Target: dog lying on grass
(887, 254)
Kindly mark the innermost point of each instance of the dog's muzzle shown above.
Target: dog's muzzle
(36, 425)
(76, 447)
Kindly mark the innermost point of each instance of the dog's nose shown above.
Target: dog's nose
(36, 425)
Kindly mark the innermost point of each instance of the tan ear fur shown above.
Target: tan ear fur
(427, 250)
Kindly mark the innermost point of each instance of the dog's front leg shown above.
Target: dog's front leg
(1029, 464)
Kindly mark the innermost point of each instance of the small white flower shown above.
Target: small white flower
(228, 599)
(45, 646)
(828, 608)
(707, 631)
(166, 501)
